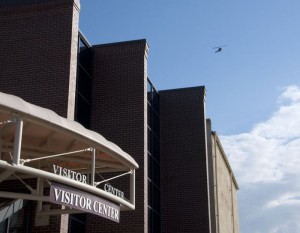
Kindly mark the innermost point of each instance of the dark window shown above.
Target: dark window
(149, 91)
(153, 160)
(77, 223)
(156, 198)
(150, 141)
(150, 172)
(150, 194)
(19, 221)
(150, 115)
(84, 83)
(83, 108)
(156, 173)
(155, 102)
(85, 58)
(156, 148)
(150, 223)
(156, 223)
(155, 124)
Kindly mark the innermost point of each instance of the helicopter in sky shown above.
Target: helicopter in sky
(219, 48)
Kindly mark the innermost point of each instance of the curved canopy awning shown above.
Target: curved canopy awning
(37, 143)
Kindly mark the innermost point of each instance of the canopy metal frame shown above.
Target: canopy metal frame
(18, 166)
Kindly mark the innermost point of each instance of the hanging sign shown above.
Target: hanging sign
(77, 199)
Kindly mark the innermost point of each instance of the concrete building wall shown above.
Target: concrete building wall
(184, 173)
(211, 178)
(225, 190)
(119, 113)
(224, 195)
(38, 52)
(235, 210)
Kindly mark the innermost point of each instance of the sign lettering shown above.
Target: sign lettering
(69, 174)
(77, 199)
(114, 191)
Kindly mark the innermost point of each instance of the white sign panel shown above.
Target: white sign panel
(77, 199)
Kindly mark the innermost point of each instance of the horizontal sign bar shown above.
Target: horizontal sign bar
(77, 199)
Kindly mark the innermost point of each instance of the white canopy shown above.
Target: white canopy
(48, 139)
(42, 123)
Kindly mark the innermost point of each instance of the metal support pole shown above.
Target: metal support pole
(40, 184)
(132, 188)
(53, 156)
(25, 196)
(112, 178)
(93, 167)
(18, 141)
(40, 190)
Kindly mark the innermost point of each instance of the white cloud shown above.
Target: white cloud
(292, 226)
(266, 163)
(287, 199)
(291, 93)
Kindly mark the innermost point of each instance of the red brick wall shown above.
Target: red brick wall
(119, 114)
(37, 40)
(184, 191)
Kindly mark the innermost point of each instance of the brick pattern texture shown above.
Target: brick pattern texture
(38, 63)
(119, 114)
(35, 52)
(184, 182)
(38, 55)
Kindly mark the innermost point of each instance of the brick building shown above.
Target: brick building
(184, 182)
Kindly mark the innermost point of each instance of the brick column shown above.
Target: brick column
(38, 55)
(38, 52)
(184, 171)
(119, 113)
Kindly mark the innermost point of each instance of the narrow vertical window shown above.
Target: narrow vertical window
(154, 212)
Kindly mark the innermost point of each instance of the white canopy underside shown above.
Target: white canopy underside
(45, 130)
(44, 133)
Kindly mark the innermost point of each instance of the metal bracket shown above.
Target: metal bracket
(115, 177)
(13, 120)
(23, 161)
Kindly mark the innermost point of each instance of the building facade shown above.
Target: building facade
(184, 182)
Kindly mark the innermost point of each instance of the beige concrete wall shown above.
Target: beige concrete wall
(225, 191)
(235, 211)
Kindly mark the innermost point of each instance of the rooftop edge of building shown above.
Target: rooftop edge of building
(214, 133)
(30, 2)
(121, 43)
(131, 46)
(21, 5)
(201, 88)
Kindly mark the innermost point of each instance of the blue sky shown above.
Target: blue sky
(252, 85)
